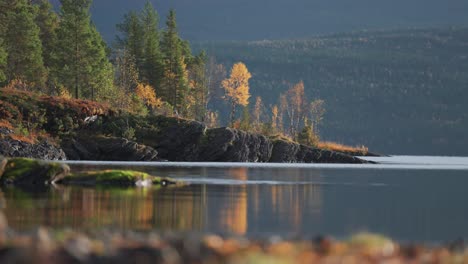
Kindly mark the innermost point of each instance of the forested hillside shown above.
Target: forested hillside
(285, 19)
(402, 92)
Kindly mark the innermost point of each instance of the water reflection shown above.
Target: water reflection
(406, 205)
(232, 209)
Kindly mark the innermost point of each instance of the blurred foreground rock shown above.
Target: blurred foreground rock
(66, 246)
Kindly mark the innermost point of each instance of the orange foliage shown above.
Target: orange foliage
(5, 124)
(9, 111)
(148, 95)
(237, 86)
(17, 84)
(81, 107)
(28, 139)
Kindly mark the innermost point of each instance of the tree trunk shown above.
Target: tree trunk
(233, 113)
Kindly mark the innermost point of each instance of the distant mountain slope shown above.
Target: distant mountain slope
(396, 91)
(283, 19)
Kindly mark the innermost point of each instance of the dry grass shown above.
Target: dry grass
(28, 139)
(342, 148)
(5, 124)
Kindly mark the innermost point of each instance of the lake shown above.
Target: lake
(410, 199)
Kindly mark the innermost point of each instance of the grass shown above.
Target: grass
(5, 124)
(333, 146)
(26, 139)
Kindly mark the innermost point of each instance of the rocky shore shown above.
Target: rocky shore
(86, 130)
(16, 148)
(172, 139)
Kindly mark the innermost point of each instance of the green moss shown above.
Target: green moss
(30, 171)
(18, 167)
(113, 178)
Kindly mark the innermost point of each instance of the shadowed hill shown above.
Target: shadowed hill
(283, 19)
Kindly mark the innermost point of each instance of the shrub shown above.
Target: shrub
(308, 137)
(9, 111)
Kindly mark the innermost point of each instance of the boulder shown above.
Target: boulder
(122, 178)
(284, 151)
(175, 139)
(231, 145)
(24, 171)
(108, 149)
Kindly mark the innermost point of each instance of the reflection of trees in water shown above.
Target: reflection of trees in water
(236, 209)
(286, 204)
(233, 214)
(92, 208)
(181, 210)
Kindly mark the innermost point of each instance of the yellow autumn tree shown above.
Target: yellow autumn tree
(237, 87)
(147, 94)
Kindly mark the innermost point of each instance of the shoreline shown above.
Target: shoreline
(395, 166)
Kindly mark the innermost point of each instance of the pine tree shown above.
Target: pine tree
(152, 71)
(199, 89)
(6, 8)
(101, 80)
(132, 38)
(24, 46)
(307, 135)
(48, 22)
(175, 86)
(126, 72)
(81, 62)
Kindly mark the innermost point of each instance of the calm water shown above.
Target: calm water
(407, 198)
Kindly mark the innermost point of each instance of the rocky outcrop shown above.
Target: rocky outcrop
(163, 138)
(81, 126)
(107, 149)
(291, 152)
(174, 139)
(16, 148)
(184, 140)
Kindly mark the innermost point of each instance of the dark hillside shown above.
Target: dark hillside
(283, 19)
(402, 92)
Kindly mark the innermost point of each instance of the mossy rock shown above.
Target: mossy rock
(3, 163)
(115, 178)
(23, 171)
